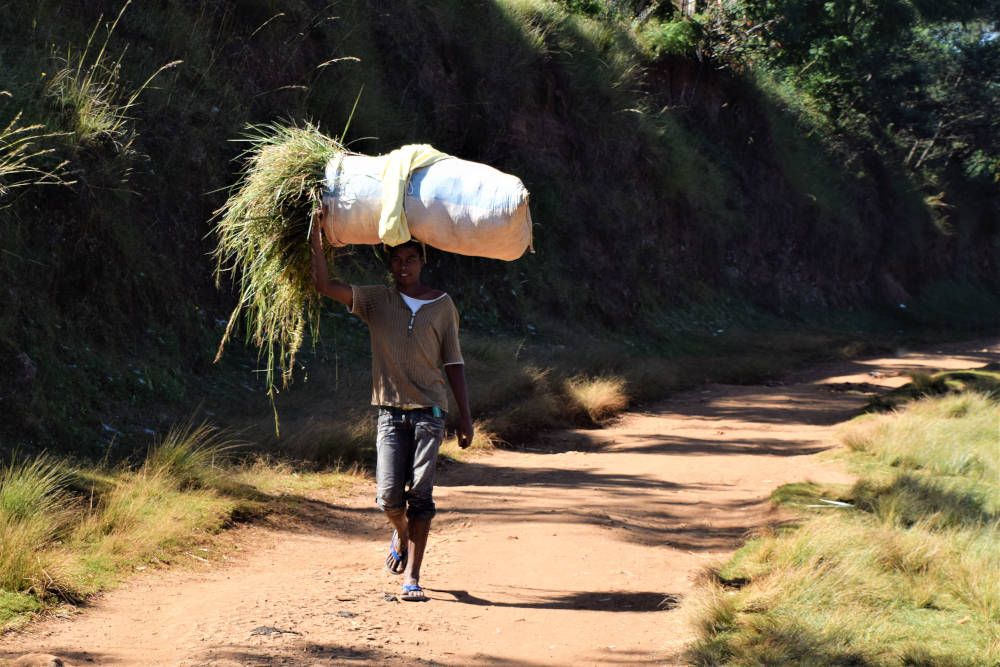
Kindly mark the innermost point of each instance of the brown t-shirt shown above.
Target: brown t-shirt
(408, 350)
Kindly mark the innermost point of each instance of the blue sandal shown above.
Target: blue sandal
(413, 593)
(395, 562)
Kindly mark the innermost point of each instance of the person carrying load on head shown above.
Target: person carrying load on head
(415, 347)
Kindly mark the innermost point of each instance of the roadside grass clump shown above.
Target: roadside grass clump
(951, 436)
(18, 606)
(194, 456)
(68, 533)
(906, 500)
(904, 574)
(263, 240)
(34, 514)
(348, 437)
(146, 518)
(277, 477)
(537, 406)
(978, 380)
(598, 397)
(801, 494)
(484, 441)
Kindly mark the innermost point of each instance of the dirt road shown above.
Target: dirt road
(580, 553)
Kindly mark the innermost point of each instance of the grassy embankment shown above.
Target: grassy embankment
(904, 573)
(663, 189)
(67, 532)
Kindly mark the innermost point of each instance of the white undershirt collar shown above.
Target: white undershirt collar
(415, 304)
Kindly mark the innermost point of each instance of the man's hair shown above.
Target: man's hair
(412, 243)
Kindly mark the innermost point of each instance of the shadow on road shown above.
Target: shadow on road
(580, 601)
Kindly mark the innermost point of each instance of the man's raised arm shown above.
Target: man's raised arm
(335, 289)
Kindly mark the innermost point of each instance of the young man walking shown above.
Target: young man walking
(414, 342)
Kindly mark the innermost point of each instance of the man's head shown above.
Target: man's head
(406, 261)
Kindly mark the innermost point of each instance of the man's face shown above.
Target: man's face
(405, 265)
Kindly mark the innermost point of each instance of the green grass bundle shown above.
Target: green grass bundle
(263, 232)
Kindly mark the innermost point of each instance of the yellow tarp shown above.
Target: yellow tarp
(392, 227)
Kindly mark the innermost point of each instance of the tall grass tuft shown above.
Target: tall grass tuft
(263, 233)
(93, 100)
(600, 398)
(34, 510)
(191, 456)
(21, 157)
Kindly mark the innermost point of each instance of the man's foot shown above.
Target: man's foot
(413, 593)
(395, 562)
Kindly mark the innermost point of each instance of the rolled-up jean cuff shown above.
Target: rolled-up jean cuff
(406, 450)
(391, 511)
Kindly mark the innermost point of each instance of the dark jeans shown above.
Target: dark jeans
(407, 450)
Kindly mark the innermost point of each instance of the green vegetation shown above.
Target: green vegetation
(679, 37)
(263, 229)
(983, 381)
(686, 177)
(904, 574)
(89, 95)
(717, 197)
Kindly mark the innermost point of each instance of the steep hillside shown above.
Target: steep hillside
(659, 182)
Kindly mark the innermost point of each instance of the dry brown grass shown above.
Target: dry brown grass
(22, 156)
(484, 441)
(344, 437)
(599, 398)
(281, 478)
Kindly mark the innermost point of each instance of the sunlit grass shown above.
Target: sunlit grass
(955, 435)
(980, 381)
(91, 96)
(68, 533)
(146, 517)
(22, 156)
(484, 441)
(904, 575)
(275, 477)
(599, 398)
(34, 514)
(192, 455)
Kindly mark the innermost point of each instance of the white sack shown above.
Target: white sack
(454, 205)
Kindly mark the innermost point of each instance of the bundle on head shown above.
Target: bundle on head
(263, 232)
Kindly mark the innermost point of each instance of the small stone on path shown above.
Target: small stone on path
(269, 630)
